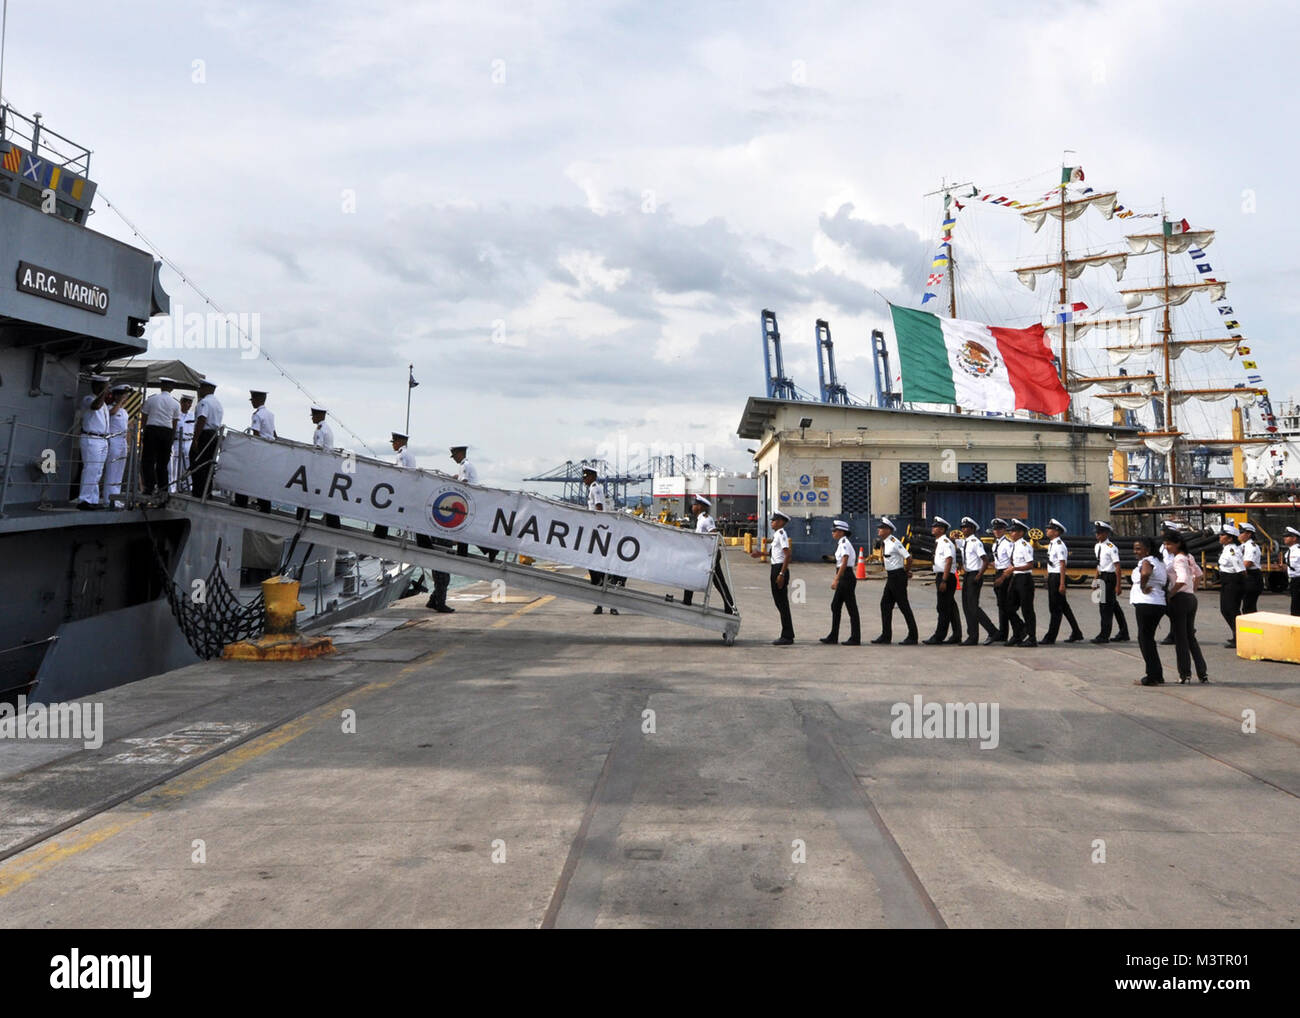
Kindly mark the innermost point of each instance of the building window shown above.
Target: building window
(855, 487)
(1031, 473)
(978, 472)
(909, 476)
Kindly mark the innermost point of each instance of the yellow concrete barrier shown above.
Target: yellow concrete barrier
(1268, 636)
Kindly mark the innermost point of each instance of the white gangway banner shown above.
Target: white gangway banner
(426, 502)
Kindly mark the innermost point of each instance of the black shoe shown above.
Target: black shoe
(782, 641)
(1168, 641)
(598, 610)
(1047, 641)
(911, 641)
(1144, 681)
(953, 639)
(613, 611)
(970, 641)
(1230, 643)
(1015, 641)
(1205, 678)
(1030, 643)
(852, 641)
(1122, 638)
(932, 642)
(829, 639)
(1075, 638)
(992, 640)
(1184, 679)
(442, 609)
(1102, 639)
(882, 639)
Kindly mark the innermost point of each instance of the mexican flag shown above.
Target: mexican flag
(978, 367)
(1071, 174)
(1173, 229)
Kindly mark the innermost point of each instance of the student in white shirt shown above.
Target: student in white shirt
(1057, 603)
(898, 570)
(701, 507)
(1252, 580)
(263, 426)
(845, 585)
(1002, 547)
(208, 418)
(1181, 599)
(1021, 575)
(1107, 555)
(1147, 596)
(945, 584)
(779, 577)
(974, 558)
(1292, 541)
(1230, 570)
(161, 415)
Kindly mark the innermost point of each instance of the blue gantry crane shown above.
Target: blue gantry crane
(778, 385)
(831, 389)
(885, 394)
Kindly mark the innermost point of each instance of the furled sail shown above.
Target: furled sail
(1141, 243)
(1073, 267)
(1104, 203)
(1178, 293)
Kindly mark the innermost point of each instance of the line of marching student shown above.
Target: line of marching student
(1163, 583)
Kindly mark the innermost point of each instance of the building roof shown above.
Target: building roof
(759, 412)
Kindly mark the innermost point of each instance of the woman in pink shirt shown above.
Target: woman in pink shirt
(1183, 576)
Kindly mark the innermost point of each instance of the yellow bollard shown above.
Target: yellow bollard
(749, 544)
(281, 641)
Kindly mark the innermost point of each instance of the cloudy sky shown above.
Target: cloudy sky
(569, 216)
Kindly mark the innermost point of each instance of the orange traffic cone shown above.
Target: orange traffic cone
(862, 565)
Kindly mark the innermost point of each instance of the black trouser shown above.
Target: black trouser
(1252, 585)
(781, 598)
(1008, 620)
(1182, 617)
(1295, 595)
(438, 599)
(463, 551)
(1058, 606)
(263, 504)
(1110, 608)
(972, 584)
(1230, 601)
(896, 594)
(720, 584)
(155, 458)
(1148, 617)
(203, 454)
(846, 596)
(1020, 605)
(945, 603)
(332, 521)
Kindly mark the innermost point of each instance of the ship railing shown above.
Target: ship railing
(49, 480)
(31, 134)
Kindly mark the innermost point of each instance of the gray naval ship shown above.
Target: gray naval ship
(92, 600)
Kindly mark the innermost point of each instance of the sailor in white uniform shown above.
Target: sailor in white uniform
(209, 416)
(1252, 580)
(845, 585)
(945, 584)
(161, 415)
(705, 524)
(1107, 555)
(405, 459)
(179, 468)
(1231, 568)
(1002, 546)
(779, 577)
(1022, 590)
(262, 425)
(974, 559)
(596, 501)
(118, 423)
(898, 570)
(1057, 603)
(92, 426)
(322, 438)
(1292, 540)
(467, 473)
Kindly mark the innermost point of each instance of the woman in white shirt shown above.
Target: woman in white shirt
(1147, 596)
(1182, 609)
(1252, 579)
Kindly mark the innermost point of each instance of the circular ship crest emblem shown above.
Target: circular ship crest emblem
(977, 360)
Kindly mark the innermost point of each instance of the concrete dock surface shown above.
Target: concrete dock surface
(525, 763)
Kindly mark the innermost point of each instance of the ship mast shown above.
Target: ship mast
(1165, 330)
(1065, 342)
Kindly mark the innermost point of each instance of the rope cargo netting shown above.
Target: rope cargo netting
(211, 617)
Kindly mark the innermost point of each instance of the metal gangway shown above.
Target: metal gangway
(401, 546)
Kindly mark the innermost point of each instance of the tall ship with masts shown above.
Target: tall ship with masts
(1140, 325)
